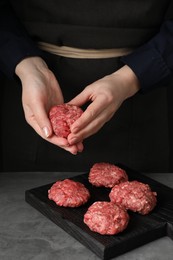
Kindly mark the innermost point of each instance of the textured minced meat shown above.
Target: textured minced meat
(62, 117)
(106, 218)
(135, 196)
(68, 193)
(106, 174)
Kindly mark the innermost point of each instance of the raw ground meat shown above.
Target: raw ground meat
(106, 218)
(106, 174)
(68, 193)
(62, 117)
(135, 196)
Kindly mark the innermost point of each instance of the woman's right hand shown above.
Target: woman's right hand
(41, 91)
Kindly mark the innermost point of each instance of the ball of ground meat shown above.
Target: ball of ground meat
(135, 196)
(106, 218)
(62, 117)
(68, 193)
(106, 174)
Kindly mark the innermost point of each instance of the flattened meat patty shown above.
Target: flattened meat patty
(62, 117)
(68, 193)
(106, 174)
(135, 196)
(106, 218)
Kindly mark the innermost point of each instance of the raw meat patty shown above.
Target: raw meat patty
(106, 174)
(62, 117)
(106, 218)
(135, 196)
(68, 193)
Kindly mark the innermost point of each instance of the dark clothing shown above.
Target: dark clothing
(156, 59)
(108, 26)
(15, 44)
(138, 134)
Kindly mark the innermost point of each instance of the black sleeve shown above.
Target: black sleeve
(15, 44)
(153, 62)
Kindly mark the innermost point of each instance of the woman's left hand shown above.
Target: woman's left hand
(106, 96)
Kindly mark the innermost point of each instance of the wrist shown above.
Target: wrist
(28, 66)
(129, 80)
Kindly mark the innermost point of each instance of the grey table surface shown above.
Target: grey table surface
(25, 234)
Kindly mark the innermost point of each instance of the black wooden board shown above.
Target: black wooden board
(141, 229)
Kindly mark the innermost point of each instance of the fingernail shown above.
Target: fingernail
(75, 130)
(46, 131)
(72, 141)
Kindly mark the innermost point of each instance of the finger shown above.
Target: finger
(90, 129)
(80, 147)
(91, 112)
(39, 118)
(81, 99)
(64, 144)
(58, 141)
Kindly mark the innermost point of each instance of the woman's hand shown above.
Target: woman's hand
(106, 96)
(41, 91)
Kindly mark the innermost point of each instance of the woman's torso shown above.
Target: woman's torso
(132, 136)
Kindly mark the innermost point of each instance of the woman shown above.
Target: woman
(139, 35)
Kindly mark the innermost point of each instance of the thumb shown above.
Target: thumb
(44, 124)
(40, 122)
